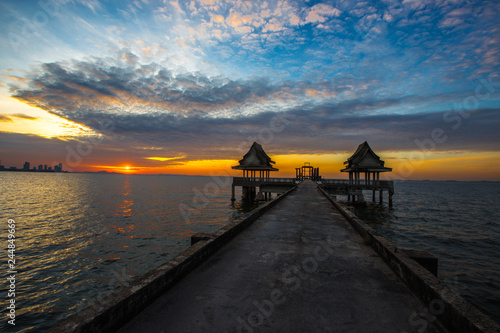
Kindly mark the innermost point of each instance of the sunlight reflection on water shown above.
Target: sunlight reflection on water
(80, 236)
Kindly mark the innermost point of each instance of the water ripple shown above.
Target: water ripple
(460, 223)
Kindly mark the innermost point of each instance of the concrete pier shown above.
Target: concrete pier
(300, 267)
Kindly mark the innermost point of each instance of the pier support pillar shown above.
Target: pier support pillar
(248, 193)
(373, 195)
(381, 197)
(390, 199)
(232, 193)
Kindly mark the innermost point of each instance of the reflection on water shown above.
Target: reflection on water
(244, 206)
(125, 209)
(80, 236)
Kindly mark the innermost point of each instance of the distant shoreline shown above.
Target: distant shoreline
(33, 171)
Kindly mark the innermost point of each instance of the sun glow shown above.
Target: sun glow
(116, 168)
(25, 119)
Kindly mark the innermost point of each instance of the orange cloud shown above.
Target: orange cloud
(163, 159)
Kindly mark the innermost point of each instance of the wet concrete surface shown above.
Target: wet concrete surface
(298, 268)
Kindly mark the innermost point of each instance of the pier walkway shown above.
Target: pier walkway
(300, 267)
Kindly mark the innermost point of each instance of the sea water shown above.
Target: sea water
(81, 236)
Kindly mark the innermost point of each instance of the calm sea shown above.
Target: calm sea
(459, 222)
(81, 236)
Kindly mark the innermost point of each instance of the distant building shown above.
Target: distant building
(40, 168)
(58, 168)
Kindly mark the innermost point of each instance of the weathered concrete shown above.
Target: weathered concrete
(201, 236)
(298, 268)
(110, 313)
(425, 259)
(449, 308)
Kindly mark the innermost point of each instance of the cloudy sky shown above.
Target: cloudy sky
(187, 86)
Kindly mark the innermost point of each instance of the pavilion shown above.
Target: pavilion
(256, 165)
(365, 161)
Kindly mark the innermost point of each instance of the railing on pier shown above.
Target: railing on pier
(257, 181)
(337, 186)
(372, 184)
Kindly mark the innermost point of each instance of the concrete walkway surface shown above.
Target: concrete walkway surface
(298, 268)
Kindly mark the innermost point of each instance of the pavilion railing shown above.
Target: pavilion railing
(389, 184)
(257, 181)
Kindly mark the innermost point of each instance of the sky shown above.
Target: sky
(186, 87)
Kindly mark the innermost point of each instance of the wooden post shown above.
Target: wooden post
(381, 196)
(390, 199)
(232, 193)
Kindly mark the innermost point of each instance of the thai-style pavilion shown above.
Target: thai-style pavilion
(256, 165)
(365, 161)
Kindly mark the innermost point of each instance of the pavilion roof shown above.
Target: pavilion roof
(256, 159)
(365, 159)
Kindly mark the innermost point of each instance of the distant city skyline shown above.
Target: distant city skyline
(185, 87)
(27, 167)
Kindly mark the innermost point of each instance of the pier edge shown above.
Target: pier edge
(458, 315)
(116, 309)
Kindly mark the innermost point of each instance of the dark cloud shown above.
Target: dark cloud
(206, 117)
(76, 89)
